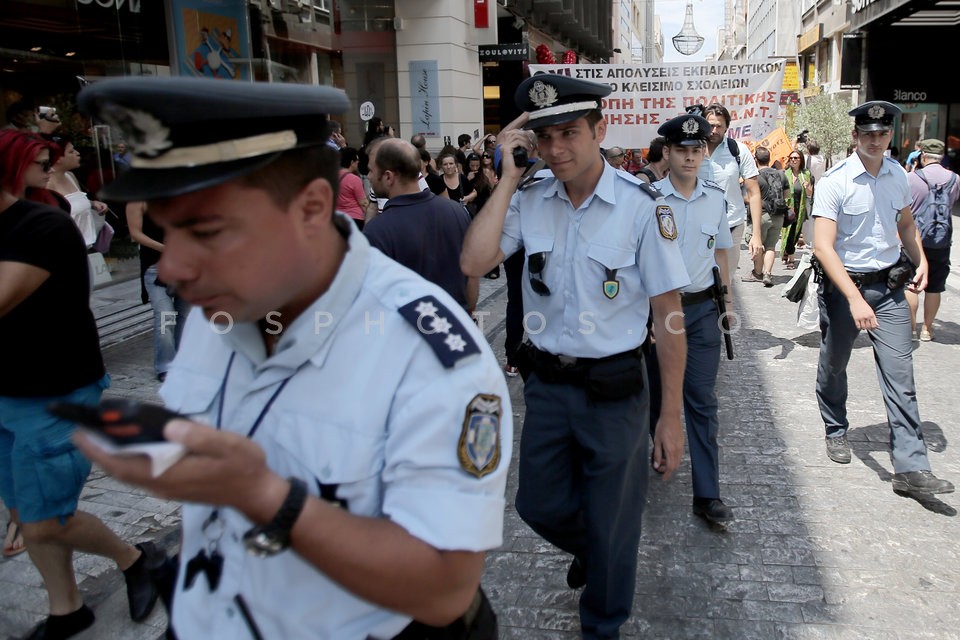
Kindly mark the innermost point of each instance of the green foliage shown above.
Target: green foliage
(826, 119)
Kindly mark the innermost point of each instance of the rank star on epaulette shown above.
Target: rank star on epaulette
(666, 223)
(479, 446)
(441, 329)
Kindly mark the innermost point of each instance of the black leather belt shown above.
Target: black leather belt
(687, 299)
(871, 277)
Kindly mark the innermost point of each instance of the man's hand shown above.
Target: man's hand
(510, 140)
(755, 246)
(920, 279)
(220, 468)
(667, 446)
(863, 315)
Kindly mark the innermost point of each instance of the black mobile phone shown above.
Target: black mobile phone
(520, 157)
(122, 421)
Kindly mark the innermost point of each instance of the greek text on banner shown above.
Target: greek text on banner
(647, 95)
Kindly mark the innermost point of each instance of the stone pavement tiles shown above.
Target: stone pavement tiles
(818, 550)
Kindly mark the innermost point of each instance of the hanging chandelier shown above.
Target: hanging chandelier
(688, 41)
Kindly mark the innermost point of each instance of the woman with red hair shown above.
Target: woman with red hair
(51, 352)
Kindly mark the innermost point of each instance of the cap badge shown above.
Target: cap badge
(543, 94)
(690, 126)
(145, 135)
(876, 112)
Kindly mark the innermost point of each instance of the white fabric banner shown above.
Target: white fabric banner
(647, 95)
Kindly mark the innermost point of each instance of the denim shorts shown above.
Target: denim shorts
(41, 472)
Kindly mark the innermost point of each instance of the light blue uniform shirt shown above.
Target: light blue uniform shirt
(721, 168)
(616, 228)
(370, 412)
(865, 210)
(702, 226)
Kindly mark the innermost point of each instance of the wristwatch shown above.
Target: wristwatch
(269, 539)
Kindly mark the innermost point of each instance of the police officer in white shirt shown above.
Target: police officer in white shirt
(316, 506)
(600, 251)
(704, 238)
(862, 227)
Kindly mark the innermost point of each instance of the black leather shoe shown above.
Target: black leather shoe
(576, 574)
(712, 510)
(141, 590)
(920, 482)
(62, 627)
(838, 449)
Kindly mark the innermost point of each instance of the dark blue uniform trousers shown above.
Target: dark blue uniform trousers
(583, 485)
(893, 354)
(704, 341)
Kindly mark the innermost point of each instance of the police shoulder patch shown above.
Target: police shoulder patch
(436, 324)
(479, 446)
(665, 222)
(650, 190)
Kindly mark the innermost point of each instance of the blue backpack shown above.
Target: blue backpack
(933, 217)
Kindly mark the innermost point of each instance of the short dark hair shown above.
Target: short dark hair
(655, 152)
(717, 109)
(399, 158)
(813, 147)
(347, 157)
(292, 170)
(419, 141)
(463, 138)
(762, 154)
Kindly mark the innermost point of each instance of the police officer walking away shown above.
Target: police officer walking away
(600, 251)
(861, 217)
(316, 506)
(704, 237)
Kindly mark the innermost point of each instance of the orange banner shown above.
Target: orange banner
(779, 145)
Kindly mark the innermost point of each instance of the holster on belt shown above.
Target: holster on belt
(479, 622)
(610, 378)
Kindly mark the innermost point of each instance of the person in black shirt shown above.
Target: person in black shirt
(48, 338)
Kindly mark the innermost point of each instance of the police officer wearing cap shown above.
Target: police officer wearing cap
(601, 250)
(315, 506)
(703, 234)
(867, 246)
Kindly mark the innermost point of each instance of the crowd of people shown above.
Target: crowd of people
(346, 421)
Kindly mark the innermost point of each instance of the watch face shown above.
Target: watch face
(261, 544)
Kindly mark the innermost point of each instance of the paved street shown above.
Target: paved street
(818, 550)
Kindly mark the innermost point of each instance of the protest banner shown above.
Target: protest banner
(778, 144)
(647, 95)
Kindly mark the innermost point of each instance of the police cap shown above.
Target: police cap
(876, 115)
(187, 134)
(555, 99)
(687, 130)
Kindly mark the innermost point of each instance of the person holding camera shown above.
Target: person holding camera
(861, 216)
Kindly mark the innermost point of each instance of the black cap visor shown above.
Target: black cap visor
(154, 184)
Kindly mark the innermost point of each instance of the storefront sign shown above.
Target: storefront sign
(647, 95)
(133, 5)
(810, 38)
(860, 5)
(504, 52)
(425, 97)
(211, 39)
(791, 77)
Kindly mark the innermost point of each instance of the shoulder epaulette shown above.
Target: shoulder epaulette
(650, 190)
(713, 185)
(441, 329)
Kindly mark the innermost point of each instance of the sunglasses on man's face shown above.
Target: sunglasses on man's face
(535, 264)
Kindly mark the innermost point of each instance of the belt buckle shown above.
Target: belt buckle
(566, 361)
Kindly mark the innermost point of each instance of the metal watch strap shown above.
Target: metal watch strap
(277, 531)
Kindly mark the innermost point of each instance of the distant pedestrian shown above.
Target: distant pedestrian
(774, 193)
(861, 217)
(934, 190)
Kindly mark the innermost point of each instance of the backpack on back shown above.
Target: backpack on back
(773, 204)
(933, 216)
